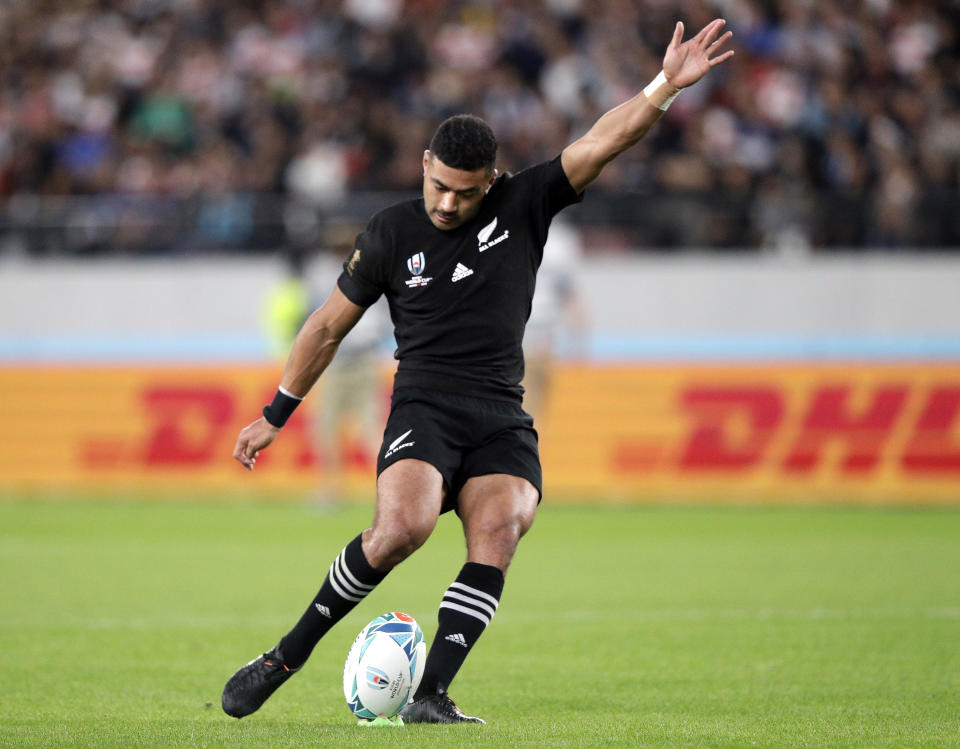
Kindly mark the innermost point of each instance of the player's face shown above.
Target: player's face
(453, 196)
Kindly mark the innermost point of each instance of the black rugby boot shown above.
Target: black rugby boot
(436, 708)
(250, 687)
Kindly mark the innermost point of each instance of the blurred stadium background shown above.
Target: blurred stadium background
(763, 297)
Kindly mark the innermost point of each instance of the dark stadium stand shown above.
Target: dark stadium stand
(175, 126)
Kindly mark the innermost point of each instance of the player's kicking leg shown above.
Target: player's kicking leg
(349, 580)
(496, 511)
(409, 495)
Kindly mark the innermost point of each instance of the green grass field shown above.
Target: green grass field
(646, 626)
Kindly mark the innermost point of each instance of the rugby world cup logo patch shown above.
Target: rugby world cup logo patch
(416, 264)
(377, 678)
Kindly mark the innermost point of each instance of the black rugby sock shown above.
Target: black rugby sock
(348, 582)
(465, 611)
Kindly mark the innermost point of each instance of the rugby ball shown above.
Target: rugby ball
(384, 666)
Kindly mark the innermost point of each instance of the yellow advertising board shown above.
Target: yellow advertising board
(152, 427)
(866, 432)
(777, 432)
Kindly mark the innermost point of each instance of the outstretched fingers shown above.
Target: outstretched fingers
(719, 42)
(717, 60)
(715, 47)
(677, 34)
(709, 32)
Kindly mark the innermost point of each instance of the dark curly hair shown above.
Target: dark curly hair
(465, 142)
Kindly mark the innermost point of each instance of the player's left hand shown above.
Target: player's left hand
(686, 63)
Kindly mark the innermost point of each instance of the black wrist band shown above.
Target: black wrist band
(279, 411)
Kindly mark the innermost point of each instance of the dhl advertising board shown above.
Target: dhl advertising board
(847, 432)
(860, 432)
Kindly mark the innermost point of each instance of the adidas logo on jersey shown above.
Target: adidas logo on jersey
(457, 639)
(460, 272)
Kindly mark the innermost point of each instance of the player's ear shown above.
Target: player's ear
(426, 160)
(493, 178)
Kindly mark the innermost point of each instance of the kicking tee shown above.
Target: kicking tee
(460, 299)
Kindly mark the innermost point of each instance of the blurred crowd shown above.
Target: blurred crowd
(837, 123)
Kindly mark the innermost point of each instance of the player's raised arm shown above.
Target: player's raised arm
(684, 64)
(312, 352)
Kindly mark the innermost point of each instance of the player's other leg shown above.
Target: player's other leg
(496, 511)
(409, 497)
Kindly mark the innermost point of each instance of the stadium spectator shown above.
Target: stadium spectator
(323, 98)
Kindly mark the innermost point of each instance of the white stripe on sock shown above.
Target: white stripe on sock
(344, 577)
(340, 591)
(475, 592)
(472, 601)
(335, 583)
(463, 609)
(349, 576)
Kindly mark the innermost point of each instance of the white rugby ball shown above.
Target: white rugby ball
(384, 666)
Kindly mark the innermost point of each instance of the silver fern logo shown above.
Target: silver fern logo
(483, 236)
(486, 231)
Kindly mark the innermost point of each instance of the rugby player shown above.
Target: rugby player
(458, 268)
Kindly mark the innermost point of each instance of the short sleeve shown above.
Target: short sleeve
(363, 277)
(544, 191)
(558, 192)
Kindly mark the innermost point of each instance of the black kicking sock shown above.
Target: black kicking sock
(465, 611)
(348, 582)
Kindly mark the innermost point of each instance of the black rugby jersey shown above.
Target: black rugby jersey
(460, 299)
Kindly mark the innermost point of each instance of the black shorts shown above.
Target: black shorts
(461, 437)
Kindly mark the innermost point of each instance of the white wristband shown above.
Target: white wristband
(660, 93)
